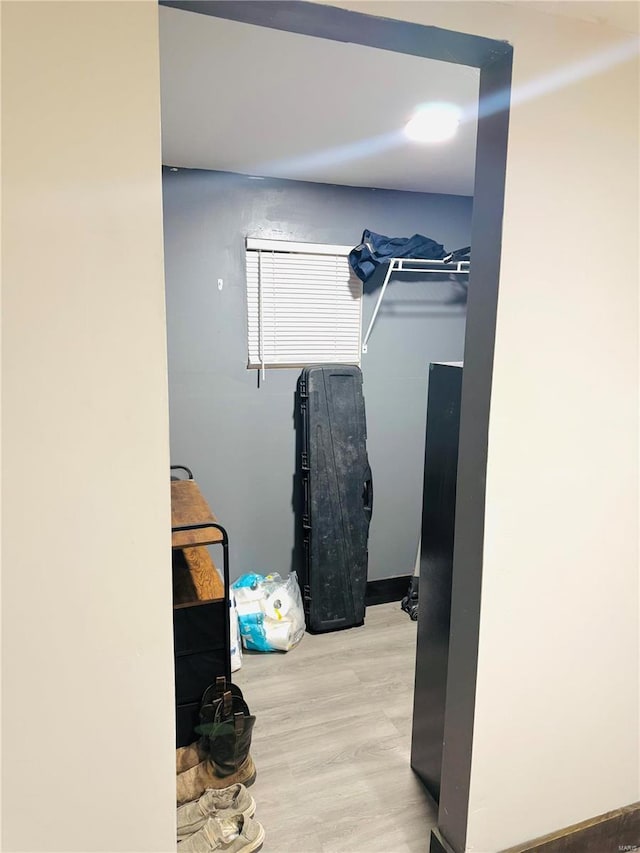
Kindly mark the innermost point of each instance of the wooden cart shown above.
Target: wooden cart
(200, 602)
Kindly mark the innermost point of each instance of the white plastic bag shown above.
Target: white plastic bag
(270, 612)
(284, 614)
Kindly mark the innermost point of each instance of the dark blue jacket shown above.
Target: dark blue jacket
(376, 249)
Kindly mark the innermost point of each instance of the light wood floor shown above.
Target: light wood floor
(332, 741)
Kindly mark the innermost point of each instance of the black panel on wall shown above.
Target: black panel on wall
(436, 572)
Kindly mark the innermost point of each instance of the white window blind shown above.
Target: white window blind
(304, 305)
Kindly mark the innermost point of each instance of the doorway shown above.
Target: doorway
(493, 59)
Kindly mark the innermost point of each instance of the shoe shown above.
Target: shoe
(228, 739)
(224, 803)
(192, 783)
(188, 756)
(229, 734)
(238, 834)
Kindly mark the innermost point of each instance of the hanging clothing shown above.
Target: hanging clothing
(376, 249)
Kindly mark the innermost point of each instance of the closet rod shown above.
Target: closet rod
(437, 267)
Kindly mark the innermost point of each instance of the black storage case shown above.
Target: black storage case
(337, 496)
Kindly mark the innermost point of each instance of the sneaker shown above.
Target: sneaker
(238, 834)
(224, 803)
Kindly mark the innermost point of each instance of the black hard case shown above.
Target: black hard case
(337, 500)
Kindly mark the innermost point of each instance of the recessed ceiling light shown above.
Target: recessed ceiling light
(433, 123)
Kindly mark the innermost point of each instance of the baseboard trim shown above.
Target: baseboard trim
(387, 590)
(617, 831)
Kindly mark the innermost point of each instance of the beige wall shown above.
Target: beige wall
(556, 724)
(557, 696)
(87, 737)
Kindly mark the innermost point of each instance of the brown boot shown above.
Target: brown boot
(188, 756)
(229, 735)
(193, 783)
(228, 738)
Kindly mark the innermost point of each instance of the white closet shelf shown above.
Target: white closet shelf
(425, 266)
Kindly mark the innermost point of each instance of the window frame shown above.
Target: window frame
(255, 360)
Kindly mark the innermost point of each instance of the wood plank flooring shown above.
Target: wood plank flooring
(332, 741)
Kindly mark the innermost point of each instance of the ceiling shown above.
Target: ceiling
(247, 99)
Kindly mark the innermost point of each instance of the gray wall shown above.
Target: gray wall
(238, 437)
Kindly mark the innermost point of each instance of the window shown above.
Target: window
(304, 304)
